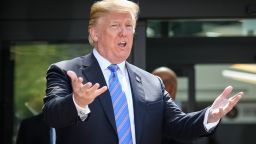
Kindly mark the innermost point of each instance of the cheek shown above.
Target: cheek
(131, 37)
(131, 41)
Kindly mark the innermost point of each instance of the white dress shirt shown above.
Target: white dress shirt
(124, 80)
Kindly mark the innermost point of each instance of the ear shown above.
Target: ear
(94, 34)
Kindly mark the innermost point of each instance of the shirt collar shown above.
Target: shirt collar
(104, 63)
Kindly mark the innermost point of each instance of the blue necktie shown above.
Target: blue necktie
(120, 107)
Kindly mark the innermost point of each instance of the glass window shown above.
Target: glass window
(31, 63)
(203, 28)
(182, 93)
(211, 79)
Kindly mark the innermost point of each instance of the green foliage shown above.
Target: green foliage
(31, 64)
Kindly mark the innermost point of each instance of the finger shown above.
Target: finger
(81, 79)
(87, 85)
(240, 94)
(94, 87)
(74, 80)
(226, 91)
(72, 75)
(234, 100)
(98, 92)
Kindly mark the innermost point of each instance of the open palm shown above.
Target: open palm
(222, 104)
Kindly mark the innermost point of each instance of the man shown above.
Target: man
(169, 79)
(101, 98)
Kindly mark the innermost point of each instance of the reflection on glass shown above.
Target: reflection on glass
(203, 28)
(210, 82)
(241, 72)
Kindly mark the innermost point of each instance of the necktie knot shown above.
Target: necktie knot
(113, 68)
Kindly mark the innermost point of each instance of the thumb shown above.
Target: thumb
(72, 75)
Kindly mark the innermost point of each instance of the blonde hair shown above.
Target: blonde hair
(100, 8)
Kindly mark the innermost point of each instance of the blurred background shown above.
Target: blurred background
(209, 44)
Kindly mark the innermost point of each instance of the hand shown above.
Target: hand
(84, 94)
(222, 105)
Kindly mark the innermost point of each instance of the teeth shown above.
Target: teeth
(123, 43)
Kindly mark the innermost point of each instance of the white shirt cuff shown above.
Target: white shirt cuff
(209, 126)
(82, 112)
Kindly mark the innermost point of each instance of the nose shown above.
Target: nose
(123, 31)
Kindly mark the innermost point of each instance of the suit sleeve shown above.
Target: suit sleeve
(179, 125)
(59, 109)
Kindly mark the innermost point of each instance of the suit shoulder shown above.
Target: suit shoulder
(71, 64)
(142, 72)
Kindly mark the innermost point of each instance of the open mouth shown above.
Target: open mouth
(122, 44)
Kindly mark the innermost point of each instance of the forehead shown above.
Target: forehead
(165, 75)
(116, 17)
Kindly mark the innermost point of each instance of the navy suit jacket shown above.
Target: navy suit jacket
(155, 114)
(33, 130)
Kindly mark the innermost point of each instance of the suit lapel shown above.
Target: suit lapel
(94, 74)
(138, 96)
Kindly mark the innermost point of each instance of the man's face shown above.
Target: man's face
(113, 36)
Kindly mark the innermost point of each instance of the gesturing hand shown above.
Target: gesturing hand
(222, 104)
(84, 94)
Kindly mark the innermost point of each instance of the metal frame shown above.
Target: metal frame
(6, 93)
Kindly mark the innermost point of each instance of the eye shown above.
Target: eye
(129, 25)
(114, 25)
